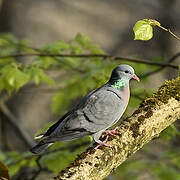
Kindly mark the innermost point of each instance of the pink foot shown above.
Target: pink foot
(103, 143)
(112, 132)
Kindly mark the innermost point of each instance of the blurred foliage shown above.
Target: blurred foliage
(169, 133)
(81, 76)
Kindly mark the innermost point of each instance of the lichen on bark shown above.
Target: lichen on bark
(136, 131)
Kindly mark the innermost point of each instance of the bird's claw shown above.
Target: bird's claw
(103, 143)
(112, 132)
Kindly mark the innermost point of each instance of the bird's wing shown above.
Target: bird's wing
(101, 110)
(66, 116)
(54, 126)
(98, 111)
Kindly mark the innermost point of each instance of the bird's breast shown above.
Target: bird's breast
(125, 94)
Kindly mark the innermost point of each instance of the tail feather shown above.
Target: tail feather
(40, 147)
(65, 136)
(39, 137)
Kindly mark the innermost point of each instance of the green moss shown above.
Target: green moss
(168, 90)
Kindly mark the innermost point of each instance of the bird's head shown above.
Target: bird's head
(123, 71)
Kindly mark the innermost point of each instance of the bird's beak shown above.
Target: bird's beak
(136, 78)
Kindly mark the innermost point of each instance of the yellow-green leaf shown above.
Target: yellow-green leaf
(38, 75)
(12, 78)
(143, 30)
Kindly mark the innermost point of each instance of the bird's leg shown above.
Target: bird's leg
(102, 143)
(112, 132)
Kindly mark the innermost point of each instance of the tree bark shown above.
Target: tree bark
(153, 115)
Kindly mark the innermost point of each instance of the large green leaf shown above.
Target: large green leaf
(143, 31)
(12, 78)
(38, 75)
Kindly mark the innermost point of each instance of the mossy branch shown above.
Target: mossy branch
(154, 115)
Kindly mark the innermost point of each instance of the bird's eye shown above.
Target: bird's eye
(126, 71)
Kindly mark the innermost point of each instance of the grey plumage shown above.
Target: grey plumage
(96, 112)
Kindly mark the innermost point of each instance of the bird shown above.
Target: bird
(94, 114)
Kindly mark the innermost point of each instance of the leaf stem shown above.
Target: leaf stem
(168, 30)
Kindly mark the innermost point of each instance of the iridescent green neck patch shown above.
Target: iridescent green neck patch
(119, 84)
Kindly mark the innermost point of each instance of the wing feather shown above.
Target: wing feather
(102, 110)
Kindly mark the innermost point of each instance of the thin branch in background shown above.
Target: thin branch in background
(173, 58)
(151, 73)
(38, 161)
(14, 122)
(117, 58)
(39, 167)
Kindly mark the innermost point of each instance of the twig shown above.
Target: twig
(39, 169)
(142, 61)
(173, 58)
(19, 129)
(38, 161)
(168, 30)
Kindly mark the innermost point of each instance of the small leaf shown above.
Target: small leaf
(57, 47)
(12, 78)
(38, 75)
(143, 30)
(17, 78)
(82, 40)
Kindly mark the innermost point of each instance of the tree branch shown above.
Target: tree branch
(141, 61)
(153, 116)
(173, 58)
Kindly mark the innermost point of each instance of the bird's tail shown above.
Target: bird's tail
(40, 147)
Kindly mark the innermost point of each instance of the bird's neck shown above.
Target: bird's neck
(118, 84)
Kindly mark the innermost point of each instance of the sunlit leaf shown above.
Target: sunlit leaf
(13, 78)
(143, 30)
(83, 40)
(38, 75)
